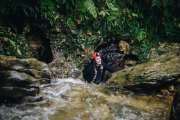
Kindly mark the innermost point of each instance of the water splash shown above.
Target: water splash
(74, 99)
(63, 85)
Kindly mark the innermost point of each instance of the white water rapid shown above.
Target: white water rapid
(73, 99)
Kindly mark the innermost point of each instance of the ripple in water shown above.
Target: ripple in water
(73, 99)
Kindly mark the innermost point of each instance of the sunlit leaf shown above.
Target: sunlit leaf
(58, 6)
(134, 15)
(102, 13)
(57, 16)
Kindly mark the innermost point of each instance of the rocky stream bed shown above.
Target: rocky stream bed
(31, 89)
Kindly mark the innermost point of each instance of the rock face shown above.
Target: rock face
(111, 55)
(22, 77)
(115, 53)
(157, 72)
(163, 48)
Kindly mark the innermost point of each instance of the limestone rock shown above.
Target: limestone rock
(22, 77)
(124, 46)
(11, 91)
(156, 71)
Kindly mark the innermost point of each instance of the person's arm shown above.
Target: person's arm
(88, 73)
(109, 68)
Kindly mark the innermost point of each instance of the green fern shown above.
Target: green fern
(157, 3)
(111, 6)
(102, 13)
(90, 6)
(141, 35)
(81, 7)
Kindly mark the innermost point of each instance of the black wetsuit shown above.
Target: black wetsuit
(89, 73)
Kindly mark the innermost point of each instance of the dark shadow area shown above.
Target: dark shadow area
(39, 45)
(111, 55)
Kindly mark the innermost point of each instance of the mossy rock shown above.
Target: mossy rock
(155, 71)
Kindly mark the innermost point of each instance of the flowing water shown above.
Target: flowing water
(73, 99)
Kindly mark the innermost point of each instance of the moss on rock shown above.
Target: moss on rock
(158, 70)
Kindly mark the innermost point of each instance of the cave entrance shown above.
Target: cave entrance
(39, 45)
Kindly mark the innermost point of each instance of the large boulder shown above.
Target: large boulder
(22, 77)
(156, 72)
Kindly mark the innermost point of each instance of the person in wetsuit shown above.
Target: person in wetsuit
(93, 70)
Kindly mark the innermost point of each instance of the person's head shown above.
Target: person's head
(97, 58)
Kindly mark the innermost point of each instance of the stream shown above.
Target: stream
(73, 99)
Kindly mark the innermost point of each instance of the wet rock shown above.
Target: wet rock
(171, 88)
(21, 64)
(164, 92)
(37, 98)
(24, 75)
(11, 77)
(12, 91)
(74, 73)
(158, 71)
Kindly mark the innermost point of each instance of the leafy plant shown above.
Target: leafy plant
(14, 46)
(145, 22)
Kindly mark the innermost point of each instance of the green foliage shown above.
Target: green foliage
(141, 35)
(13, 45)
(70, 22)
(111, 6)
(145, 22)
(90, 6)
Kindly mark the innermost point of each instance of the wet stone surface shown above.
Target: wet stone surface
(22, 77)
